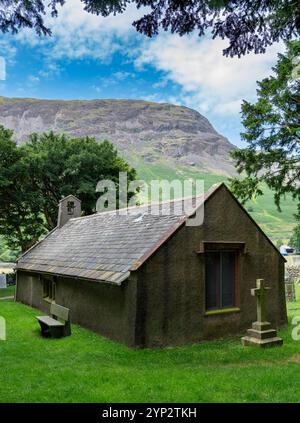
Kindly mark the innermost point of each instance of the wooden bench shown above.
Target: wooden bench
(58, 325)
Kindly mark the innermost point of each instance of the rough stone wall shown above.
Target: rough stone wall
(293, 272)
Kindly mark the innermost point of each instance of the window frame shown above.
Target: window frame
(224, 248)
(49, 288)
(71, 207)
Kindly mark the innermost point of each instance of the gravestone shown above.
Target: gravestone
(2, 280)
(261, 334)
(290, 291)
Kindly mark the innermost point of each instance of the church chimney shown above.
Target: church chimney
(69, 207)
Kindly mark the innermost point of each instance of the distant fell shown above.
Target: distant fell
(142, 131)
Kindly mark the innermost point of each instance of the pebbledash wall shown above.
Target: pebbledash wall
(163, 302)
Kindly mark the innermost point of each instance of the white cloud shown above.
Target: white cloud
(96, 88)
(209, 81)
(2, 69)
(77, 34)
(120, 76)
(8, 50)
(162, 83)
(50, 70)
(229, 107)
(33, 80)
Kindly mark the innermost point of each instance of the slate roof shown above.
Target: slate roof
(107, 246)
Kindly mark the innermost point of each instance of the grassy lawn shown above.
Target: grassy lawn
(88, 368)
(7, 292)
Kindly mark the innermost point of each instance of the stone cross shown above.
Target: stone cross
(259, 293)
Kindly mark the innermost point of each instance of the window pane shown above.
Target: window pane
(53, 291)
(228, 279)
(46, 289)
(212, 280)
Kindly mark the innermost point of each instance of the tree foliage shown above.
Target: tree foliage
(247, 25)
(272, 132)
(35, 176)
(17, 14)
(20, 218)
(295, 239)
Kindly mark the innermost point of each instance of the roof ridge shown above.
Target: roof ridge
(205, 195)
(68, 196)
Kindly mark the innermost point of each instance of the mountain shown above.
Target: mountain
(161, 141)
(143, 132)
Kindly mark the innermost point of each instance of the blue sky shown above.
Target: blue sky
(91, 57)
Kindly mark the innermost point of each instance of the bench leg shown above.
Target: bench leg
(44, 330)
(56, 331)
(67, 329)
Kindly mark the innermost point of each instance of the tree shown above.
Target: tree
(272, 131)
(20, 219)
(35, 176)
(295, 239)
(249, 26)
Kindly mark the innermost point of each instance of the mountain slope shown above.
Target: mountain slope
(153, 132)
(161, 141)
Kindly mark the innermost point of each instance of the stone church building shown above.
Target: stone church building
(154, 280)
